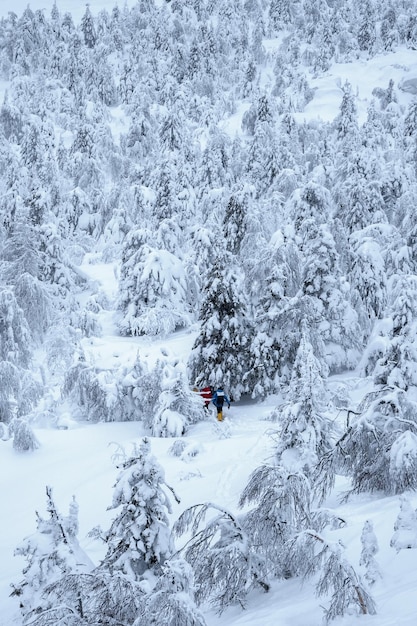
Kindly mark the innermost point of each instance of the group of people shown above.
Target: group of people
(218, 398)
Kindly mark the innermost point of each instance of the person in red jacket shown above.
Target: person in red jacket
(206, 393)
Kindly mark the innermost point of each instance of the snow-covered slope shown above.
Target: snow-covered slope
(81, 461)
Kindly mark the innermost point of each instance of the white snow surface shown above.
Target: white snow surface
(364, 76)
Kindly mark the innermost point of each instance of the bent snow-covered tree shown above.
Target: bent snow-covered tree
(51, 552)
(225, 563)
(172, 599)
(310, 553)
(379, 448)
(285, 530)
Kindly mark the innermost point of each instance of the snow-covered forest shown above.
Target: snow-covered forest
(185, 202)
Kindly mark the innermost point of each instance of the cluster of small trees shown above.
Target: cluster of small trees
(160, 397)
(142, 577)
(139, 579)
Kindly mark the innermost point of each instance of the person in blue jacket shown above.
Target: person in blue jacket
(219, 398)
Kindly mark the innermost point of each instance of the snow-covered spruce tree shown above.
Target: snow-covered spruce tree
(369, 549)
(410, 34)
(358, 192)
(20, 253)
(213, 168)
(235, 220)
(140, 139)
(390, 335)
(170, 236)
(225, 565)
(280, 15)
(19, 389)
(88, 29)
(177, 405)
(166, 199)
(346, 123)
(323, 43)
(322, 281)
(220, 355)
(409, 224)
(206, 246)
(11, 121)
(398, 366)
(139, 538)
(153, 289)
(15, 338)
(263, 154)
(288, 323)
(390, 31)
(323, 298)
(372, 131)
(146, 390)
(172, 599)
(367, 275)
(405, 527)
(35, 300)
(361, 199)
(410, 130)
(56, 269)
(24, 439)
(281, 282)
(171, 131)
(51, 552)
(309, 204)
(306, 433)
(367, 36)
